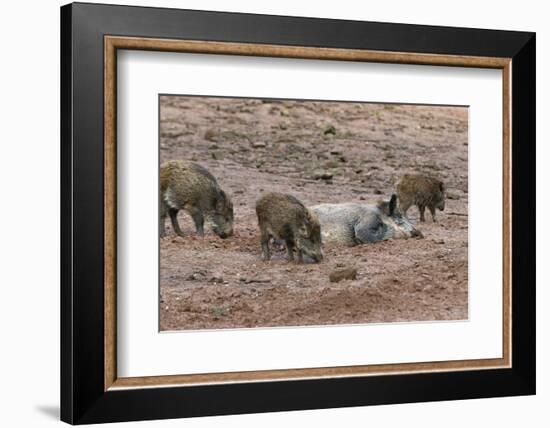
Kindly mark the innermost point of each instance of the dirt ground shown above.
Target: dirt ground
(254, 146)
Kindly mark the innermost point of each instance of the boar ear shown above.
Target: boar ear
(221, 200)
(303, 230)
(305, 222)
(441, 186)
(392, 204)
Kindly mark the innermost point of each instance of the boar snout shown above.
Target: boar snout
(223, 233)
(416, 233)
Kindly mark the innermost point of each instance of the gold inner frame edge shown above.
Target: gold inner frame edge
(113, 43)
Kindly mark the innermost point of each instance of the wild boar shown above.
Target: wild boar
(422, 191)
(352, 223)
(285, 218)
(191, 187)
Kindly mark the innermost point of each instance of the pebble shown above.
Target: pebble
(451, 194)
(329, 129)
(341, 274)
(322, 175)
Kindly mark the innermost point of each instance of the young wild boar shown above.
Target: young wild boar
(285, 218)
(422, 191)
(190, 187)
(352, 224)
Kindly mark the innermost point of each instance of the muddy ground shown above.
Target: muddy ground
(255, 146)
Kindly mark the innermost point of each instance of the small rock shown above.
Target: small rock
(329, 129)
(216, 279)
(211, 135)
(451, 194)
(439, 241)
(331, 164)
(322, 175)
(341, 274)
(259, 144)
(378, 192)
(256, 280)
(194, 276)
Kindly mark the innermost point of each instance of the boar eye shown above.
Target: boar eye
(375, 226)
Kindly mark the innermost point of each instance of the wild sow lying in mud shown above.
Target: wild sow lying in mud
(422, 191)
(190, 187)
(353, 224)
(285, 218)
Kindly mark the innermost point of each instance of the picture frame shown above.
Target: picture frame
(91, 391)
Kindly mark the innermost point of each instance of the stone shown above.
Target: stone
(338, 275)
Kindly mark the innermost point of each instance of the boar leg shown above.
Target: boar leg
(175, 225)
(404, 208)
(198, 219)
(421, 208)
(432, 210)
(266, 254)
(300, 256)
(162, 219)
(297, 244)
(290, 249)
